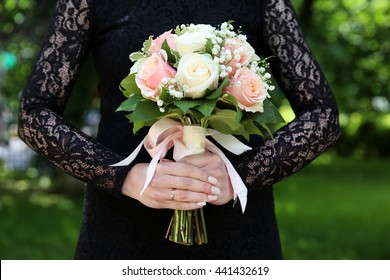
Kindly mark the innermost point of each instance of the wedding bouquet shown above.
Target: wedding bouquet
(195, 81)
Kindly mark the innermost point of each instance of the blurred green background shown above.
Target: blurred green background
(336, 208)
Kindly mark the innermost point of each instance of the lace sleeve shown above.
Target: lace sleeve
(315, 127)
(41, 124)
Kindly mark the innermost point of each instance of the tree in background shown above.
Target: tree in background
(351, 41)
(23, 25)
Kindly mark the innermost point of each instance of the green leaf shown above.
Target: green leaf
(270, 114)
(209, 46)
(167, 49)
(225, 121)
(217, 93)
(230, 99)
(137, 126)
(147, 44)
(165, 96)
(248, 128)
(128, 86)
(278, 117)
(185, 105)
(173, 56)
(263, 125)
(128, 116)
(130, 103)
(207, 107)
(177, 30)
(251, 128)
(145, 111)
(177, 56)
(136, 56)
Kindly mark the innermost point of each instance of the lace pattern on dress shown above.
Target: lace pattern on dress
(316, 125)
(41, 124)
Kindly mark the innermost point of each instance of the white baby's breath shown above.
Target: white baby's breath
(160, 103)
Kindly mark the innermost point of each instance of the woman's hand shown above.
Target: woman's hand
(183, 185)
(214, 165)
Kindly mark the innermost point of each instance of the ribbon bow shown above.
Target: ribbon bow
(167, 133)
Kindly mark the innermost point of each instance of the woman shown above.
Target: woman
(118, 223)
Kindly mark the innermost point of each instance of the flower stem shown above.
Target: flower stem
(189, 226)
(198, 238)
(203, 226)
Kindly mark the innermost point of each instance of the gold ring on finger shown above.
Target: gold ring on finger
(173, 194)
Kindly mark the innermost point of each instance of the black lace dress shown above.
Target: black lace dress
(118, 227)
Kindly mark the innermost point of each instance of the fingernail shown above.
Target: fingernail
(200, 204)
(212, 197)
(215, 190)
(212, 180)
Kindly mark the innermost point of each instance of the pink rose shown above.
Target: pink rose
(241, 53)
(157, 43)
(150, 72)
(249, 90)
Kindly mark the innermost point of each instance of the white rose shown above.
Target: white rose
(204, 28)
(190, 42)
(196, 73)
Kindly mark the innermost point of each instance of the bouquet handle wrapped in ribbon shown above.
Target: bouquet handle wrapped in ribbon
(166, 133)
(197, 76)
(186, 140)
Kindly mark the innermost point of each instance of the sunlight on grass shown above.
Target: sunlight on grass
(324, 159)
(335, 209)
(38, 225)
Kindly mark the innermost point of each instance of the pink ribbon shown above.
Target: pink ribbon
(167, 133)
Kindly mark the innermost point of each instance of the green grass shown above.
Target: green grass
(38, 226)
(335, 208)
